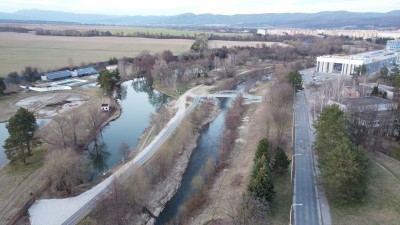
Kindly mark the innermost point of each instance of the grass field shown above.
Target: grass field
(381, 206)
(50, 52)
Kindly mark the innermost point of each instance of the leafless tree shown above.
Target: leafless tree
(73, 121)
(250, 211)
(281, 118)
(65, 170)
(161, 72)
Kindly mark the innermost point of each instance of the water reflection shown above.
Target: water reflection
(98, 155)
(156, 99)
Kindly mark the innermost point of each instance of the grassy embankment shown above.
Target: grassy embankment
(381, 204)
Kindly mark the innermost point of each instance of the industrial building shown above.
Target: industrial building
(56, 75)
(84, 72)
(346, 65)
(393, 45)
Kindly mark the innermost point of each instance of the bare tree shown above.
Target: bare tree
(65, 170)
(281, 118)
(250, 211)
(93, 122)
(73, 121)
(161, 72)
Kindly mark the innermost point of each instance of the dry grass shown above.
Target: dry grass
(232, 182)
(51, 52)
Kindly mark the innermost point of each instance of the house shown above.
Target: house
(390, 93)
(378, 115)
(105, 107)
(58, 75)
(111, 67)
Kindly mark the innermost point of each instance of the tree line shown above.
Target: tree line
(344, 166)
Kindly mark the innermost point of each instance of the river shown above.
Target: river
(207, 146)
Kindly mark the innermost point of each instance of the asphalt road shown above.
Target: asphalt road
(305, 191)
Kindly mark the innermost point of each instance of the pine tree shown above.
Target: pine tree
(261, 184)
(20, 127)
(263, 149)
(281, 161)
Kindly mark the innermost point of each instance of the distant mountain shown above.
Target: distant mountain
(332, 19)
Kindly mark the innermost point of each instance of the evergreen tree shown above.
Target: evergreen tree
(344, 172)
(20, 127)
(263, 149)
(108, 80)
(2, 86)
(331, 129)
(281, 161)
(261, 184)
(294, 78)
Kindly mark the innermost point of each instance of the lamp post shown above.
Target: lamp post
(290, 216)
(291, 168)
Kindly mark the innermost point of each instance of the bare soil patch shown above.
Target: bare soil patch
(50, 104)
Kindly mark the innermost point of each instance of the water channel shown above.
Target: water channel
(207, 146)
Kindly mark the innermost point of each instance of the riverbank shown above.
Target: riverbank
(19, 184)
(167, 188)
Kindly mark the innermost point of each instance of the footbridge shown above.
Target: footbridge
(232, 94)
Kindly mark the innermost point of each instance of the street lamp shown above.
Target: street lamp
(290, 216)
(291, 168)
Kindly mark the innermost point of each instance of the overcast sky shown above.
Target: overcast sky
(174, 7)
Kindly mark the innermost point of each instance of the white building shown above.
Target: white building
(393, 45)
(345, 65)
(261, 31)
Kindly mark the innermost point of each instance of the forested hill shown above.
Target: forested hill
(333, 19)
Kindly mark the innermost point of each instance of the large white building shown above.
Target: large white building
(345, 65)
(393, 45)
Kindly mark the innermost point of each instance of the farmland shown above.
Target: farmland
(122, 30)
(18, 50)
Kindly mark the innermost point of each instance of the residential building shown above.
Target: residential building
(105, 107)
(378, 115)
(393, 45)
(346, 65)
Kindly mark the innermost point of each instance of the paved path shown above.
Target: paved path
(305, 191)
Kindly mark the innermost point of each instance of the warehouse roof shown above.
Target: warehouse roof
(86, 71)
(58, 74)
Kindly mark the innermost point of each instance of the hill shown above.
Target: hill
(328, 19)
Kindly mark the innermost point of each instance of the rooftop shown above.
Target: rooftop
(58, 74)
(365, 101)
(366, 56)
(86, 71)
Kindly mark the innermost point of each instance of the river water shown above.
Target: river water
(137, 100)
(207, 147)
